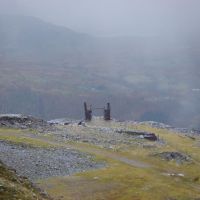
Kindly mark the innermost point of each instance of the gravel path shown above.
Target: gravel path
(38, 163)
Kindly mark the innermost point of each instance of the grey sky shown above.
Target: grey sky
(113, 17)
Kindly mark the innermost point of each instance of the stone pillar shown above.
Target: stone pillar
(107, 110)
(88, 112)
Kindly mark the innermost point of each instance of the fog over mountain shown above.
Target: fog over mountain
(113, 17)
(142, 56)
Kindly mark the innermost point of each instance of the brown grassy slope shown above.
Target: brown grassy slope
(13, 187)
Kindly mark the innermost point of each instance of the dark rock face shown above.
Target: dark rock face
(142, 134)
(178, 157)
(150, 136)
(21, 121)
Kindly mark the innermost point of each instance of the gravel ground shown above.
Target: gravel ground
(38, 163)
(105, 137)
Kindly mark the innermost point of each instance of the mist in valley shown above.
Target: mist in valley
(141, 56)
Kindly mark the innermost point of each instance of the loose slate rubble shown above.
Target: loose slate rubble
(39, 163)
(22, 121)
(176, 156)
(64, 121)
(185, 131)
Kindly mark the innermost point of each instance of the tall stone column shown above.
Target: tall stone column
(88, 112)
(107, 112)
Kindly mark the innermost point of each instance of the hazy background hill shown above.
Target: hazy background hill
(48, 71)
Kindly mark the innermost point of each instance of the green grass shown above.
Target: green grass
(120, 181)
(23, 137)
(123, 182)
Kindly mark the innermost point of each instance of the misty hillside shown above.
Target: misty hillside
(48, 71)
(27, 36)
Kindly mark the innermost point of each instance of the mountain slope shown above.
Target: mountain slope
(48, 71)
(27, 36)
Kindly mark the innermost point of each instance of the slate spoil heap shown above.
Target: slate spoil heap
(22, 121)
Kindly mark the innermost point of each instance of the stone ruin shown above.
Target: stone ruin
(106, 112)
